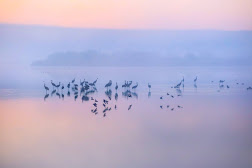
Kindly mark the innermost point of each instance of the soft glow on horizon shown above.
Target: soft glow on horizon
(131, 14)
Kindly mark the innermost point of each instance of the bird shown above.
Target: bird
(161, 97)
(178, 85)
(53, 84)
(96, 100)
(228, 87)
(73, 80)
(62, 87)
(46, 88)
(149, 86)
(172, 96)
(108, 84)
(249, 88)
(161, 107)
(134, 87)
(195, 80)
(95, 81)
(172, 109)
(116, 87)
(167, 106)
(115, 107)
(180, 106)
(168, 94)
(57, 86)
(68, 85)
(95, 104)
(129, 107)
(128, 85)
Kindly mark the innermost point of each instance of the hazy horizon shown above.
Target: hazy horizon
(38, 45)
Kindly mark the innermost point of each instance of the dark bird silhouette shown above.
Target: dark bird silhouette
(58, 95)
(149, 86)
(249, 88)
(46, 88)
(75, 97)
(53, 84)
(116, 96)
(167, 106)
(172, 109)
(57, 86)
(62, 95)
(46, 96)
(228, 87)
(54, 91)
(68, 93)
(134, 87)
(68, 85)
(62, 87)
(180, 106)
(95, 104)
(73, 80)
(115, 107)
(129, 107)
(116, 87)
(108, 84)
(161, 107)
(85, 98)
(161, 97)
(195, 80)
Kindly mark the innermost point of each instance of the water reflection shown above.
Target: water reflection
(46, 96)
(149, 94)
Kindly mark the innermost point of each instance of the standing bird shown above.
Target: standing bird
(68, 85)
(149, 86)
(108, 84)
(53, 84)
(62, 87)
(57, 86)
(73, 80)
(116, 87)
(195, 80)
(134, 87)
(46, 88)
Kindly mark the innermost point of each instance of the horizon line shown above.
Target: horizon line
(125, 29)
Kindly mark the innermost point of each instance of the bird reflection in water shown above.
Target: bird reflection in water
(53, 92)
(108, 93)
(116, 96)
(46, 96)
(149, 94)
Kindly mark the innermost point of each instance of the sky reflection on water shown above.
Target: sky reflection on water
(213, 129)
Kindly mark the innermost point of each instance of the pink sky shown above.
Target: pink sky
(131, 14)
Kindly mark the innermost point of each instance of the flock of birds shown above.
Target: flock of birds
(84, 89)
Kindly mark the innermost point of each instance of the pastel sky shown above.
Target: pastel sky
(131, 14)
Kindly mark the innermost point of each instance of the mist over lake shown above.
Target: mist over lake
(78, 97)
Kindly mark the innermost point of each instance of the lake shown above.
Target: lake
(204, 125)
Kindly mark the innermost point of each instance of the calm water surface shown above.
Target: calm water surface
(213, 129)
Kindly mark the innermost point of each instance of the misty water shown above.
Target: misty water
(211, 129)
